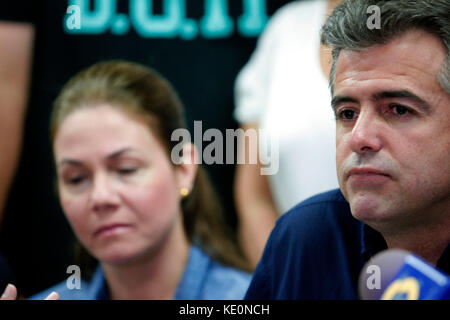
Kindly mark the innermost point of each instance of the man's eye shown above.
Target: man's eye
(346, 114)
(399, 109)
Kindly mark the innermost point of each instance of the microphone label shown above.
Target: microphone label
(416, 280)
(402, 289)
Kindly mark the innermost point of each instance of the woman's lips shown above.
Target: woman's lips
(112, 229)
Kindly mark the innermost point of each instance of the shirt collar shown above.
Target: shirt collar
(190, 287)
(372, 242)
(191, 284)
(98, 288)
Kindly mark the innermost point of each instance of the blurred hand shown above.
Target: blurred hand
(10, 293)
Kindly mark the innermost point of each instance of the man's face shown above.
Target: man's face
(393, 131)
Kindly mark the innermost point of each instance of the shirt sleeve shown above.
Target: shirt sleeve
(19, 10)
(253, 81)
(259, 287)
(313, 253)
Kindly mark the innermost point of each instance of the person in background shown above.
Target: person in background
(283, 90)
(155, 226)
(391, 96)
(15, 66)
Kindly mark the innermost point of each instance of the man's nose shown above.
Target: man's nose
(366, 135)
(104, 196)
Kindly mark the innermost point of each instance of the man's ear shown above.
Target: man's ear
(186, 171)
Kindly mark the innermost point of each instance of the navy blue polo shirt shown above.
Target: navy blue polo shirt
(317, 251)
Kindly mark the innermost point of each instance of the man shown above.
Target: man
(391, 96)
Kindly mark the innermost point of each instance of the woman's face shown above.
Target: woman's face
(117, 186)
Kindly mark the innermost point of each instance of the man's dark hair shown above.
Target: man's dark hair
(346, 28)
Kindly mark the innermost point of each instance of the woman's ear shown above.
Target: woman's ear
(186, 171)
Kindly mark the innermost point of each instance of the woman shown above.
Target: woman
(154, 226)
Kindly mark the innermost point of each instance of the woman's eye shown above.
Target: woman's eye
(75, 180)
(126, 171)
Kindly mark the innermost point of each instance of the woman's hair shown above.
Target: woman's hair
(144, 93)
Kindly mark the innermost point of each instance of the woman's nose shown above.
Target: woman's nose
(103, 194)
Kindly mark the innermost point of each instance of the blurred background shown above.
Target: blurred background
(199, 45)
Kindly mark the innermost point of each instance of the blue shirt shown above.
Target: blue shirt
(316, 251)
(203, 279)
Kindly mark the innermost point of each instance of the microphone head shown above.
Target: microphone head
(378, 272)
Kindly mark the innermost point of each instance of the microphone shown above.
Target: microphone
(399, 275)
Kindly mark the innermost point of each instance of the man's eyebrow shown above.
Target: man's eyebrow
(402, 94)
(341, 99)
(383, 95)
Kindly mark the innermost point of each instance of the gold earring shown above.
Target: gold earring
(184, 192)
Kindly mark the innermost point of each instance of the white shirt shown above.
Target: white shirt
(283, 89)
